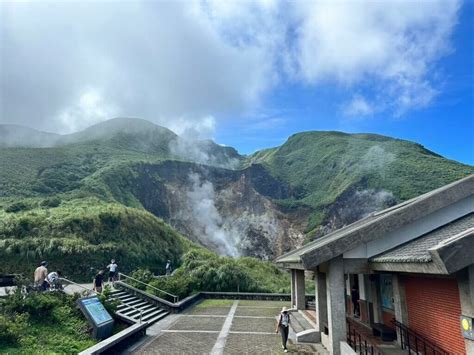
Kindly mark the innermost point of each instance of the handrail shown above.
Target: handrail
(128, 305)
(75, 283)
(360, 342)
(419, 340)
(175, 298)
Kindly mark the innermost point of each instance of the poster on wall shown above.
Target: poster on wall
(386, 291)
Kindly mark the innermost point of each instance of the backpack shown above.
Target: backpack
(285, 319)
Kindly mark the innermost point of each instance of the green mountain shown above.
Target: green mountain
(332, 172)
(129, 189)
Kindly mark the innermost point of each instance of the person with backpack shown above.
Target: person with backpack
(283, 324)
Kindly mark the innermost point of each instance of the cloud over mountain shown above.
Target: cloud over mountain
(66, 65)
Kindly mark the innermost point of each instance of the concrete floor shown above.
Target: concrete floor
(221, 327)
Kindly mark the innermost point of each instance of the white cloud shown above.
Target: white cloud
(89, 109)
(390, 45)
(358, 107)
(194, 129)
(167, 61)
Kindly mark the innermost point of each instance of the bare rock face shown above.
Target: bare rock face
(230, 212)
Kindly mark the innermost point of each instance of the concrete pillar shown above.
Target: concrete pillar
(300, 289)
(321, 302)
(399, 302)
(376, 299)
(293, 288)
(399, 298)
(336, 304)
(466, 295)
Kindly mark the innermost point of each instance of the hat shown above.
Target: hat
(284, 309)
(44, 263)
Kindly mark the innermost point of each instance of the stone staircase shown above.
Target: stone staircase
(131, 307)
(299, 323)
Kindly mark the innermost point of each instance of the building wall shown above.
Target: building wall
(434, 309)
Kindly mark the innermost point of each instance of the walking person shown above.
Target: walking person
(355, 301)
(112, 270)
(40, 275)
(283, 325)
(98, 282)
(168, 268)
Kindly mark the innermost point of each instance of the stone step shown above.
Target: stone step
(134, 311)
(131, 307)
(154, 314)
(126, 299)
(158, 317)
(136, 302)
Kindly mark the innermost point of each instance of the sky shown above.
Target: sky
(246, 74)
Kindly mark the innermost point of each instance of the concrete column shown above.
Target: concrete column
(300, 289)
(466, 295)
(293, 288)
(399, 302)
(376, 299)
(362, 291)
(336, 304)
(321, 303)
(399, 298)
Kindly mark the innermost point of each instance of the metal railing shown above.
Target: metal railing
(415, 343)
(89, 291)
(360, 343)
(174, 297)
(140, 311)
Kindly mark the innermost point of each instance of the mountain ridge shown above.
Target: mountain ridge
(258, 205)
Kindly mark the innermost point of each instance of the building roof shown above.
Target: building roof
(377, 224)
(417, 250)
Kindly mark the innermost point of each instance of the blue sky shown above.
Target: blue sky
(245, 73)
(446, 125)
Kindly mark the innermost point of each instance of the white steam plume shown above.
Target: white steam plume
(204, 218)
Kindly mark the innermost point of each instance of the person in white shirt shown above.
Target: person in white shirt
(53, 280)
(112, 270)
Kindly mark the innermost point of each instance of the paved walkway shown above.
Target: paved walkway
(221, 327)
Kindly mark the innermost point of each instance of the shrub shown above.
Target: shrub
(12, 328)
(17, 207)
(39, 305)
(51, 202)
(104, 297)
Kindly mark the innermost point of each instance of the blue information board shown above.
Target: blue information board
(95, 312)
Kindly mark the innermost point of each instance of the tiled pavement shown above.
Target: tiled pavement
(224, 327)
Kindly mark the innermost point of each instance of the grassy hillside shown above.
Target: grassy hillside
(81, 234)
(321, 166)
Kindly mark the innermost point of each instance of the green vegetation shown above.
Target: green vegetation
(85, 201)
(321, 166)
(85, 233)
(203, 270)
(42, 323)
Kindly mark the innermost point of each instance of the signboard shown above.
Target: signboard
(466, 327)
(386, 291)
(97, 315)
